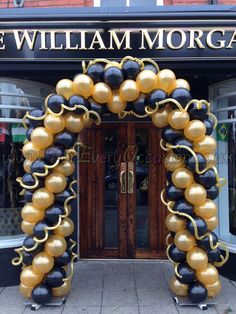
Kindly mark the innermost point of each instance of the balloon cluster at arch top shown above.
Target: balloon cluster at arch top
(140, 88)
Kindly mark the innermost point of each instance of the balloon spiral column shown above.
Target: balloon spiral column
(132, 87)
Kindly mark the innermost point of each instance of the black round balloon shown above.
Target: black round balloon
(55, 277)
(187, 274)
(191, 164)
(99, 109)
(209, 126)
(40, 229)
(37, 113)
(129, 106)
(201, 226)
(139, 104)
(42, 294)
(182, 151)
(169, 176)
(173, 193)
(28, 133)
(206, 179)
(205, 241)
(38, 166)
(95, 71)
(183, 206)
(28, 195)
(27, 257)
(199, 114)
(28, 179)
(214, 255)
(176, 254)
(182, 95)
(55, 101)
(170, 135)
(78, 100)
(52, 154)
(52, 214)
(150, 67)
(113, 76)
(156, 96)
(61, 197)
(63, 259)
(212, 192)
(65, 138)
(29, 242)
(197, 292)
(131, 69)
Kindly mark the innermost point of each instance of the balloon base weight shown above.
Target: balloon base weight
(54, 302)
(185, 302)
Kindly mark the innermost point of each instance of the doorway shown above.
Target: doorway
(121, 172)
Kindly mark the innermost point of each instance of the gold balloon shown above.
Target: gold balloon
(211, 222)
(66, 168)
(206, 210)
(31, 152)
(41, 138)
(53, 123)
(29, 278)
(195, 194)
(74, 122)
(210, 160)
(147, 81)
(62, 290)
(27, 227)
(184, 240)
(42, 263)
(66, 227)
(178, 119)
(65, 88)
(27, 165)
(175, 223)
(195, 130)
(31, 214)
(87, 120)
(180, 83)
(25, 290)
(197, 258)
(182, 178)
(208, 275)
(43, 198)
(178, 288)
(55, 182)
(116, 104)
(214, 289)
(207, 145)
(165, 80)
(160, 117)
(129, 90)
(172, 161)
(112, 64)
(55, 245)
(83, 85)
(101, 93)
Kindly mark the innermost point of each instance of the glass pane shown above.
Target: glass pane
(111, 188)
(231, 177)
(142, 217)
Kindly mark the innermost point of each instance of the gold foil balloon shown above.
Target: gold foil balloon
(29, 278)
(206, 210)
(178, 288)
(53, 123)
(208, 275)
(178, 119)
(214, 289)
(27, 165)
(160, 117)
(180, 83)
(101, 93)
(27, 227)
(31, 152)
(184, 240)
(74, 122)
(129, 90)
(41, 138)
(172, 161)
(83, 85)
(55, 182)
(66, 168)
(66, 227)
(207, 145)
(31, 214)
(62, 290)
(146, 80)
(25, 290)
(166, 80)
(195, 194)
(65, 88)
(42, 263)
(174, 223)
(55, 245)
(210, 160)
(195, 130)
(42, 198)
(182, 178)
(211, 222)
(116, 104)
(197, 258)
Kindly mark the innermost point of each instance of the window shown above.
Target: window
(127, 3)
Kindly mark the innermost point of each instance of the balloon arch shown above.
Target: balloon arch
(138, 87)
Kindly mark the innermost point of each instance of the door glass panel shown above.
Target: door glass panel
(111, 188)
(142, 217)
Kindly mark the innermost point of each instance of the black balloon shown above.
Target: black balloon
(191, 164)
(28, 179)
(42, 294)
(182, 151)
(55, 277)
(182, 95)
(55, 101)
(151, 67)
(52, 214)
(28, 195)
(139, 104)
(205, 241)
(214, 255)
(156, 96)
(169, 176)
(63, 259)
(187, 274)
(131, 69)
(176, 254)
(170, 135)
(199, 114)
(27, 257)
(212, 192)
(29, 242)
(183, 206)
(197, 292)
(37, 113)
(99, 109)
(113, 76)
(173, 193)
(78, 100)
(38, 166)
(206, 179)
(201, 226)
(40, 229)
(61, 197)
(209, 126)
(28, 133)
(95, 71)
(52, 154)
(65, 138)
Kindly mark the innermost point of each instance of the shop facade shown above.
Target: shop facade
(120, 170)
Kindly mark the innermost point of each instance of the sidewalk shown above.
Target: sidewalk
(120, 288)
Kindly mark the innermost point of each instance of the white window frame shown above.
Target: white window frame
(97, 3)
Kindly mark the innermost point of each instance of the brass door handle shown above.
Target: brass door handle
(123, 169)
(130, 177)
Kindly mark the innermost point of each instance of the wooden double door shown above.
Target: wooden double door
(121, 175)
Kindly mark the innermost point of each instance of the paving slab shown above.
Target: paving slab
(120, 310)
(84, 297)
(155, 309)
(160, 297)
(88, 279)
(11, 297)
(150, 280)
(118, 267)
(115, 280)
(44, 310)
(119, 297)
(82, 310)
(11, 310)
